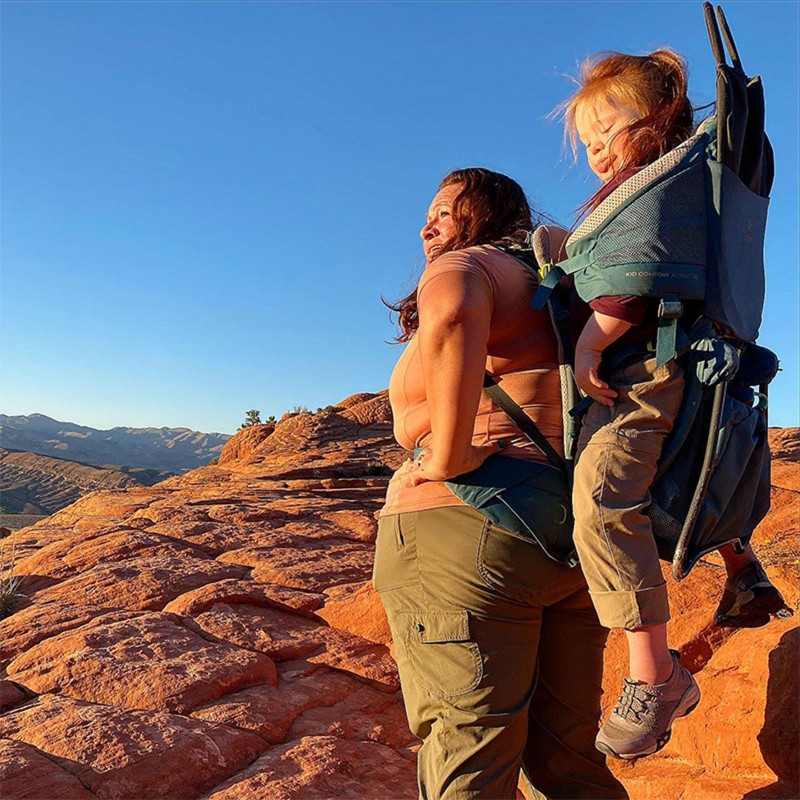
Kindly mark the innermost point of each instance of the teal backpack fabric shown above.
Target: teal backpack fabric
(527, 499)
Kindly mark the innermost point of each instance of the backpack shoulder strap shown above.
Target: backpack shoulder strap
(508, 405)
(544, 238)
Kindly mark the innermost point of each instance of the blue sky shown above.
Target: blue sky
(202, 203)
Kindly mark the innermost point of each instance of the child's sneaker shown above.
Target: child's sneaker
(641, 722)
(749, 600)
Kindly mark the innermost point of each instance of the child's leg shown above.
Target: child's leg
(617, 458)
(736, 561)
(648, 655)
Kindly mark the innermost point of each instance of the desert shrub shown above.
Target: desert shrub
(252, 417)
(378, 468)
(9, 584)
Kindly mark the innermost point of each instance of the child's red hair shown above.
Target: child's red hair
(654, 85)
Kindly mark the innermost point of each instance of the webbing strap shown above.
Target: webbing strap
(581, 407)
(505, 402)
(670, 310)
(665, 341)
(545, 288)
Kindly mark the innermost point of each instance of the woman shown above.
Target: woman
(498, 646)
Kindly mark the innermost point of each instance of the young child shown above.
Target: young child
(627, 112)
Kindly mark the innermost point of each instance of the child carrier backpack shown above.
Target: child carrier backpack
(690, 227)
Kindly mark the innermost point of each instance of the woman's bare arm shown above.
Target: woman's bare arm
(455, 312)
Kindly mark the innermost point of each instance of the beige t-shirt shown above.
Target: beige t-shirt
(522, 356)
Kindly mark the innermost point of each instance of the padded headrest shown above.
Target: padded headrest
(548, 244)
(634, 184)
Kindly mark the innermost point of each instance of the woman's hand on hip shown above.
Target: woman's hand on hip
(427, 467)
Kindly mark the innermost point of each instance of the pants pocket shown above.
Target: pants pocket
(440, 654)
(515, 568)
(395, 553)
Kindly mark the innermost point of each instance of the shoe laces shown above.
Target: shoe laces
(635, 701)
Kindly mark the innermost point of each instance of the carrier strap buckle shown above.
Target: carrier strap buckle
(670, 308)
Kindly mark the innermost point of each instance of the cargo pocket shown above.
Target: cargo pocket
(395, 553)
(443, 659)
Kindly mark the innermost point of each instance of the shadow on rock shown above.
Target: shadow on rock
(780, 737)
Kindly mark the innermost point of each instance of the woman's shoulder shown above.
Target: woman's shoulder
(486, 261)
(479, 257)
(478, 260)
(479, 252)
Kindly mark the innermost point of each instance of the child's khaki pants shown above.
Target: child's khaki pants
(500, 656)
(618, 451)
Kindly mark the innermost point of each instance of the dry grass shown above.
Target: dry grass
(9, 584)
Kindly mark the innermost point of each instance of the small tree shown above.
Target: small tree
(252, 417)
(270, 420)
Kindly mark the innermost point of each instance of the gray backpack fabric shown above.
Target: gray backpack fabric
(713, 482)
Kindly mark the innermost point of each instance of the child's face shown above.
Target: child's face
(603, 130)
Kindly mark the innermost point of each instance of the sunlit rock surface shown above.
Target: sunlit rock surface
(216, 636)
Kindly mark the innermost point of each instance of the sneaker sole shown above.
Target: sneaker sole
(756, 613)
(688, 703)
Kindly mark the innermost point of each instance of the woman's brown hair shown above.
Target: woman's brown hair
(654, 85)
(490, 208)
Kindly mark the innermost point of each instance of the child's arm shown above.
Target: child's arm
(599, 332)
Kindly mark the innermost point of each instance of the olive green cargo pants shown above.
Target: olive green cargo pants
(500, 656)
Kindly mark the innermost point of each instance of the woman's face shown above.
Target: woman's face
(603, 131)
(439, 227)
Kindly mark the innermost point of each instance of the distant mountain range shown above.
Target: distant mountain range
(175, 450)
(31, 484)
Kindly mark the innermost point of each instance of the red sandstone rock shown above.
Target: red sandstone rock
(366, 715)
(354, 400)
(68, 557)
(135, 754)
(357, 608)
(10, 695)
(322, 767)
(353, 523)
(314, 568)
(25, 774)
(244, 443)
(143, 583)
(34, 624)
(149, 662)
(249, 593)
(226, 615)
(370, 411)
(284, 636)
(270, 711)
(753, 671)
